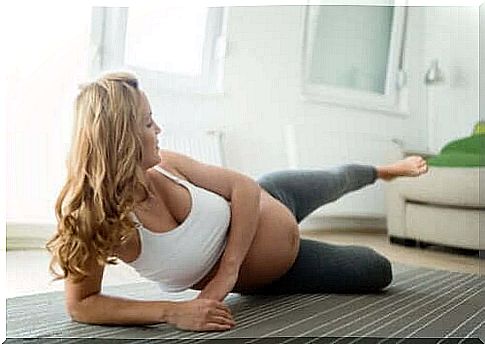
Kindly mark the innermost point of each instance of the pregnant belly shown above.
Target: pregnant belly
(272, 251)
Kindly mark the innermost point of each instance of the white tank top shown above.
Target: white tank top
(181, 257)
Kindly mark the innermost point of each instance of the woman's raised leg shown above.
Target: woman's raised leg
(303, 191)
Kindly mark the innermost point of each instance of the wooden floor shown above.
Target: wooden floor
(432, 257)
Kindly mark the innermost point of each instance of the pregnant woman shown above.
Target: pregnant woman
(185, 224)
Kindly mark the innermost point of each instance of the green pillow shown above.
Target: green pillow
(479, 128)
(466, 152)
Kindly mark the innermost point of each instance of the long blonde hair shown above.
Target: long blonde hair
(103, 175)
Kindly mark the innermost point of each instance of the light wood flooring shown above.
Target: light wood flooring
(27, 269)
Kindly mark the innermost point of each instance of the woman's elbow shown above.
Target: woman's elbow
(75, 312)
(79, 312)
(249, 187)
(254, 186)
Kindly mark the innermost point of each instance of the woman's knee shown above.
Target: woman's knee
(383, 268)
(378, 271)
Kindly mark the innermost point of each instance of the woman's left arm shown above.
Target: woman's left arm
(244, 194)
(245, 208)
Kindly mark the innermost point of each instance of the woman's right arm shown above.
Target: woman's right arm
(86, 304)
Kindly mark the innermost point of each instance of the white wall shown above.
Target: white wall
(482, 61)
(451, 36)
(46, 58)
(262, 96)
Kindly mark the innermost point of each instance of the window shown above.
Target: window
(181, 48)
(352, 56)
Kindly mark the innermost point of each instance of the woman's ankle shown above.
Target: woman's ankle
(383, 173)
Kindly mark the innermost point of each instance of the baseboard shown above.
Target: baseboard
(371, 224)
(23, 235)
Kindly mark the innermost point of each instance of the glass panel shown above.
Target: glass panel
(165, 39)
(349, 46)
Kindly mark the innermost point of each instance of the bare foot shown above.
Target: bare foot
(412, 166)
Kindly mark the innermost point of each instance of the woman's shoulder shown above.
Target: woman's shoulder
(169, 162)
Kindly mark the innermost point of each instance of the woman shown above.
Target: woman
(186, 224)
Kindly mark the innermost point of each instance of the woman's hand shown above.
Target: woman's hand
(200, 315)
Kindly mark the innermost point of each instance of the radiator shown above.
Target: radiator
(311, 147)
(203, 146)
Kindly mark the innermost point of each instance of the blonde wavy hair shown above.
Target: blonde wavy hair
(103, 174)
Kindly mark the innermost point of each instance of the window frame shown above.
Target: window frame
(391, 102)
(108, 43)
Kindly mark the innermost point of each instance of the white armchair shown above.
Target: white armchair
(441, 207)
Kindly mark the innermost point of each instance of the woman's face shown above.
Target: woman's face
(150, 130)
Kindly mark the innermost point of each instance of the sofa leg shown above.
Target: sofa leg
(402, 241)
(422, 244)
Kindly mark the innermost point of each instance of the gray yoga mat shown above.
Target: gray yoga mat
(421, 303)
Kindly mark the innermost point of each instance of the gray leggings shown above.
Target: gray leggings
(322, 267)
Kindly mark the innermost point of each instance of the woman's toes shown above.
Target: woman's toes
(423, 169)
(414, 166)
